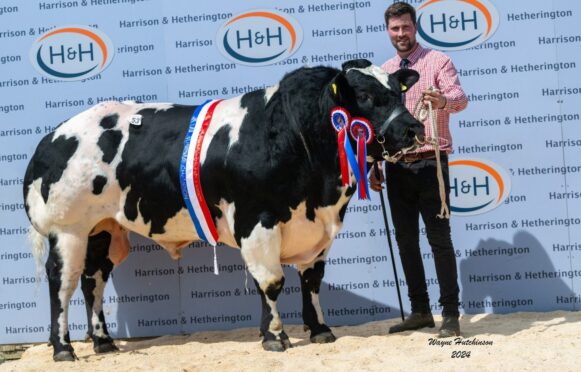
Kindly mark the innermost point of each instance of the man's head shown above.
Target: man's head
(400, 19)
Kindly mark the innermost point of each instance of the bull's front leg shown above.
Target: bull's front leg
(261, 252)
(311, 278)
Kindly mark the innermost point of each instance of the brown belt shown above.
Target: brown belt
(415, 156)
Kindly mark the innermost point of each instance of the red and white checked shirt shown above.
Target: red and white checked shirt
(437, 70)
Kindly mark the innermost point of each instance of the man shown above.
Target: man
(412, 185)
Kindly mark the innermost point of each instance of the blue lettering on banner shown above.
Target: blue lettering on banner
(11, 207)
(8, 10)
(554, 195)
(18, 181)
(9, 158)
(566, 247)
(10, 59)
(159, 322)
(479, 123)
(12, 33)
(6, 109)
(193, 43)
(550, 222)
(561, 39)
(138, 23)
(15, 132)
(12, 83)
(332, 32)
(23, 305)
(566, 91)
(534, 171)
(499, 97)
(188, 18)
(489, 148)
(135, 49)
(24, 330)
(369, 311)
(486, 226)
(495, 45)
(17, 256)
(327, 7)
(64, 103)
(527, 16)
(114, 2)
(499, 251)
(473, 278)
(570, 299)
(557, 274)
(501, 303)
(58, 5)
(232, 319)
(547, 118)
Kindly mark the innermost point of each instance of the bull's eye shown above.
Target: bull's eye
(365, 98)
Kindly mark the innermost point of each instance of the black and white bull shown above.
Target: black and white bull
(270, 176)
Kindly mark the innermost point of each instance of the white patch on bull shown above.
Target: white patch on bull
(261, 252)
(302, 239)
(225, 224)
(317, 306)
(268, 93)
(98, 326)
(228, 112)
(72, 249)
(376, 72)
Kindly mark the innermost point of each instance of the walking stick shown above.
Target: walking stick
(377, 175)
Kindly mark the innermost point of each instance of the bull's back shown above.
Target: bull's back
(97, 164)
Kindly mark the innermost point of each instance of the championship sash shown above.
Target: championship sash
(190, 182)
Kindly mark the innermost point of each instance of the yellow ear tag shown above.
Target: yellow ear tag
(403, 88)
(334, 88)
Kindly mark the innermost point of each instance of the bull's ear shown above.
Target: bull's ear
(341, 91)
(355, 63)
(404, 79)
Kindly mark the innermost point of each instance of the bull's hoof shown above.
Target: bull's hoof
(323, 338)
(105, 348)
(64, 356)
(280, 344)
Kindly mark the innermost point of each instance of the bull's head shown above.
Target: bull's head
(365, 90)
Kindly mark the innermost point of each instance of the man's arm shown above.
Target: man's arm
(449, 86)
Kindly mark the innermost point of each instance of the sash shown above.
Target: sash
(191, 186)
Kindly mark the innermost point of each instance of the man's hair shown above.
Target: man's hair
(398, 9)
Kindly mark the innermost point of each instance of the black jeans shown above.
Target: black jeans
(412, 190)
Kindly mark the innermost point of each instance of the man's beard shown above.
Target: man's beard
(405, 47)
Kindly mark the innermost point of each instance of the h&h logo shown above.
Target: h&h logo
(71, 53)
(456, 24)
(259, 37)
(476, 186)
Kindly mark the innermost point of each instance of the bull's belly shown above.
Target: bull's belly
(303, 240)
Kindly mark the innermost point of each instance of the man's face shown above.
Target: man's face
(402, 33)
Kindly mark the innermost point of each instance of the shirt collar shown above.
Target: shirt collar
(414, 55)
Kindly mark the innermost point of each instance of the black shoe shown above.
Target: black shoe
(450, 327)
(413, 322)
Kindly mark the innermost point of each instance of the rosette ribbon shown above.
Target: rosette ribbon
(340, 119)
(362, 132)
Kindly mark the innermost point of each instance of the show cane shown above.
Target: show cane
(378, 176)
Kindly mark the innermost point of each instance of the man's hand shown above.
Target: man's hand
(434, 96)
(374, 183)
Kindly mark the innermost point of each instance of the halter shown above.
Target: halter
(381, 140)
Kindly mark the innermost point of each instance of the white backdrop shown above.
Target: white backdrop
(522, 256)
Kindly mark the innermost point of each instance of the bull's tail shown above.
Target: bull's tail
(37, 241)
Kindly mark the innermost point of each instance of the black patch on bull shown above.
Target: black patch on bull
(150, 164)
(267, 172)
(109, 121)
(98, 183)
(49, 162)
(109, 143)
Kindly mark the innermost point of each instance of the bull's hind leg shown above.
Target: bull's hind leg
(98, 266)
(311, 278)
(261, 252)
(64, 265)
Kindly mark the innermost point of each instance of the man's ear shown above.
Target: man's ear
(340, 90)
(404, 79)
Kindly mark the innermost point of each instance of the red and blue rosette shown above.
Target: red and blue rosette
(341, 120)
(362, 132)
